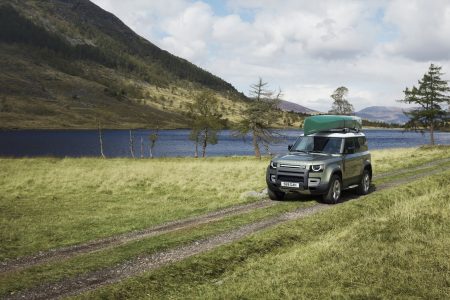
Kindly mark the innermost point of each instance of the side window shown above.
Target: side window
(349, 146)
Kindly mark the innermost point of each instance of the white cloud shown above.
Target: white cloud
(189, 31)
(424, 29)
(308, 48)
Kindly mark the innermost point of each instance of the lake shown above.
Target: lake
(77, 143)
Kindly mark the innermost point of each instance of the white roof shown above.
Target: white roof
(338, 134)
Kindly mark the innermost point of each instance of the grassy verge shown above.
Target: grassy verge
(386, 179)
(52, 272)
(47, 203)
(391, 244)
(387, 160)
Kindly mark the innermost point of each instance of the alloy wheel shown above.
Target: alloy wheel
(336, 190)
(366, 182)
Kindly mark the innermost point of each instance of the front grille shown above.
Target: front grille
(290, 178)
(293, 166)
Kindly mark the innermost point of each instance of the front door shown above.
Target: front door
(352, 162)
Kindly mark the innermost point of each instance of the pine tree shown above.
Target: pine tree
(259, 116)
(429, 96)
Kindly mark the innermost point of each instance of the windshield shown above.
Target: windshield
(321, 144)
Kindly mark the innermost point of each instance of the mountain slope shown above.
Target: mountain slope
(291, 106)
(70, 64)
(386, 114)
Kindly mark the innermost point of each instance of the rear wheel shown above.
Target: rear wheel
(364, 185)
(275, 195)
(334, 190)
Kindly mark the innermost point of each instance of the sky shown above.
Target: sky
(306, 48)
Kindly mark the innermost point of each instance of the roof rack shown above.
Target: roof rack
(346, 129)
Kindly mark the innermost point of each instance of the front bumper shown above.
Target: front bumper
(310, 183)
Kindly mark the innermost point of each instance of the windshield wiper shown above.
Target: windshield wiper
(300, 151)
(316, 151)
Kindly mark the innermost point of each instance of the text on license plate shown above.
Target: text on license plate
(290, 184)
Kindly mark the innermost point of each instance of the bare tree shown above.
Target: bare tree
(195, 136)
(100, 138)
(153, 137)
(131, 144)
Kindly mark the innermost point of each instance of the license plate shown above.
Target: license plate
(290, 184)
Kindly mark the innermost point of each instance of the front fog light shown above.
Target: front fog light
(313, 182)
(273, 178)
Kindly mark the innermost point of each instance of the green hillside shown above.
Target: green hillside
(67, 64)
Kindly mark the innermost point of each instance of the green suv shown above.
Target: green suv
(332, 155)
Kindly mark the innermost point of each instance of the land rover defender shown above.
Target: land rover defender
(331, 155)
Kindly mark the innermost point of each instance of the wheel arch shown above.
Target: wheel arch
(368, 166)
(337, 172)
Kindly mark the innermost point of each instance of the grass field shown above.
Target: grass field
(48, 203)
(393, 244)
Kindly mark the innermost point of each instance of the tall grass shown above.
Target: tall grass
(49, 202)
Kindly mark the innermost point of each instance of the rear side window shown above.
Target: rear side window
(362, 143)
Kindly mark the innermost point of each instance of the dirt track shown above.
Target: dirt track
(141, 264)
(101, 244)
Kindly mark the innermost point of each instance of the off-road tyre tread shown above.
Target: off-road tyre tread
(328, 197)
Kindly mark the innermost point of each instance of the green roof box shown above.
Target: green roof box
(328, 122)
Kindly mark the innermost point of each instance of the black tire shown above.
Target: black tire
(334, 190)
(274, 195)
(364, 184)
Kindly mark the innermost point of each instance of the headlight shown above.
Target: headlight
(273, 165)
(317, 168)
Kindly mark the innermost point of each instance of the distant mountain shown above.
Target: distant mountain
(386, 114)
(291, 106)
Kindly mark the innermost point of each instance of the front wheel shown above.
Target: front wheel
(274, 195)
(334, 190)
(364, 185)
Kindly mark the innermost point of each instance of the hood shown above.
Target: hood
(302, 157)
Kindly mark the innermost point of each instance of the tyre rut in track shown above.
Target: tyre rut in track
(102, 244)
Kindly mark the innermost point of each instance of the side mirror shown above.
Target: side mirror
(290, 147)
